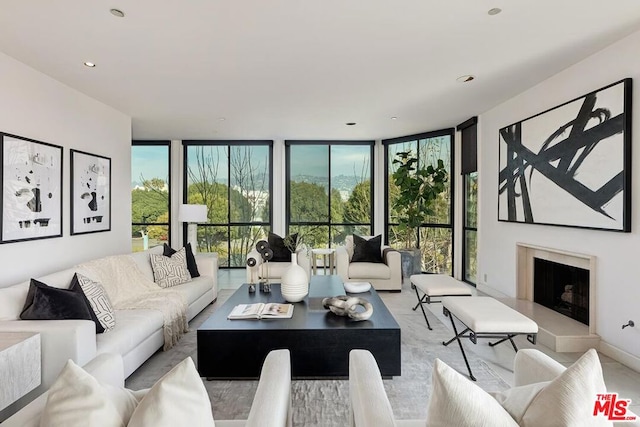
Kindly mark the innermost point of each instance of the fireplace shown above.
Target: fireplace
(580, 302)
(562, 288)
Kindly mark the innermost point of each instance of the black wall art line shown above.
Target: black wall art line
(31, 198)
(570, 165)
(90, 193)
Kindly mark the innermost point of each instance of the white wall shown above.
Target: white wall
(35, 106)
(618, 254)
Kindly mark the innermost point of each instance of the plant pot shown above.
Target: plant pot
(294, 282)
(411, 261)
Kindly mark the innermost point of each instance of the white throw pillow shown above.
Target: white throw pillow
(78, 399)
(456, 401)
(98, 300)
(170, 271)
(569, 399)
(177, 399)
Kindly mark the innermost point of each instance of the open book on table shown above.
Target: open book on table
(261, 310)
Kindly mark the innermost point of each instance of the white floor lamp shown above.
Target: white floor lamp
(192, 214)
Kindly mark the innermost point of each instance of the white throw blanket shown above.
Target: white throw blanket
(128, 289)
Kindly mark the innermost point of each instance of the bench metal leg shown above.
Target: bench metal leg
(420, 302)
(457, 337)
(508, 337)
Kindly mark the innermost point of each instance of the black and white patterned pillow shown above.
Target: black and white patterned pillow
(170, 271)
(98, 300)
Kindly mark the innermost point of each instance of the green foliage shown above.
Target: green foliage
(148, 205)
(357, 209)
(159, 232)
(418, 189)
(308, 202)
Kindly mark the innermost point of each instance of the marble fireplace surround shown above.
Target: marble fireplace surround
(525, 255)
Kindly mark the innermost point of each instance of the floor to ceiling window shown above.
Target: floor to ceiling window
(233, 179)
(150, 194)
(329, 190)
(435, 235)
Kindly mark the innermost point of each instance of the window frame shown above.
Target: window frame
(450, 132)
(329, 224)
(159, 143)
(466, 228)
(229, 224)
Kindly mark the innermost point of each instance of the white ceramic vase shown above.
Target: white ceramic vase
(294, 281)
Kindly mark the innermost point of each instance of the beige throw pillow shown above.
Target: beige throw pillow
(170, 271)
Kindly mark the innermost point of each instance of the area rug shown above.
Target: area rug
(326, 402)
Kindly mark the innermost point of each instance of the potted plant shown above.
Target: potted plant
(419, 188)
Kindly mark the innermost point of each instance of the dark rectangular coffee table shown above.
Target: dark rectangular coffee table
(319, 340)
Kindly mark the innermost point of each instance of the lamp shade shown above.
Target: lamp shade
(192, 213)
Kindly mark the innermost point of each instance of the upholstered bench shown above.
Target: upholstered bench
(485, 317)
(436, 286)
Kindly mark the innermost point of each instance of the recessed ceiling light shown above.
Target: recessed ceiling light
(222, 119)
(89, 64)
(494, 11)
(466, 78)
(394, 118)
(117, 12)
(350, 123)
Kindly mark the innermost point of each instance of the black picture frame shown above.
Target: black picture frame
(90, 193)
(570, 165)
(31, 197)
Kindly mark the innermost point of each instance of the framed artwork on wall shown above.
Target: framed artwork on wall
(90, 193)
(31, 198)
(570, 165)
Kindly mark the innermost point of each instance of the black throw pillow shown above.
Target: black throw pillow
(280, 252)
(367, 250)
(192, 266)
(49, 303)
(75, 287)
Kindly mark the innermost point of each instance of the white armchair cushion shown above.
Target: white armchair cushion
(369, 270)
(456, 401)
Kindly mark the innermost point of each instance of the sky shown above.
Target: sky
(150, 162)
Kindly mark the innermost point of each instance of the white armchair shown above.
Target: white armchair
(275, 270)
(386, 276)
(271, 404)
(545, 393)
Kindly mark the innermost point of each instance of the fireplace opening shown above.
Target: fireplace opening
(562, 288)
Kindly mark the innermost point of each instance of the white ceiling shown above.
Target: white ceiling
(300, 69)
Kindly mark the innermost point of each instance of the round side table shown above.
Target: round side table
(327, 259)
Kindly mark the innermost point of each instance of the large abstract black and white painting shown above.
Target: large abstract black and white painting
(90, 193)
(570, 165)
(31, 189)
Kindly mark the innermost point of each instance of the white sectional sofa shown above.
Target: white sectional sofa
(138, 333)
